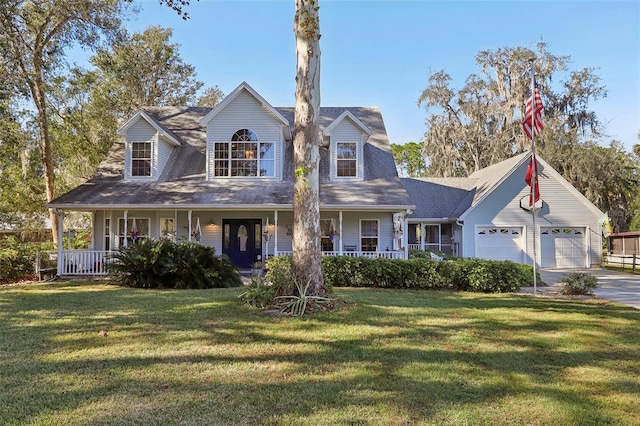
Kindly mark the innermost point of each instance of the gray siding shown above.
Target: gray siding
(562, 207)
(347, 131)
(164, 152)
(245, 112)
(141, 131)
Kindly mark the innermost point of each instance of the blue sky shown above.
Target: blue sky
(379, 53)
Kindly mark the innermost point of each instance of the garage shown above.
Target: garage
(499, 243)
(563, 247)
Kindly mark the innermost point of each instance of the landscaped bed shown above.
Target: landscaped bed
(80, 352)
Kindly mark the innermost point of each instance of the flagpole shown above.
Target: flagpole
(534, 176)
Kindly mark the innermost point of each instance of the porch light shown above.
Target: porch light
(212, 222)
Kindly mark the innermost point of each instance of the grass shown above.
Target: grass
(392, 357)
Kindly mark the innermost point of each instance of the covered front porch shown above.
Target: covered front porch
(247, 237)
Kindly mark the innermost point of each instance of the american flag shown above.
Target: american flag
(534, 114)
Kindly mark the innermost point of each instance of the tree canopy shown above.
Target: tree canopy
(481, 124)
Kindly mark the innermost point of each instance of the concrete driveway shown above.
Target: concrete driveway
(616, 286)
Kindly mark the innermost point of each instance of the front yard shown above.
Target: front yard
(80, 353)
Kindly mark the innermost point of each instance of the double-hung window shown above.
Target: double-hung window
(244, 156)
(137, 229)
(141, 159)
(347, 159)
(369, 235)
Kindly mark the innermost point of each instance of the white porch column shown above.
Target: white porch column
(126, 229)
(422, 236)
(60, 241)
(405, 235)
(189, 218)
(275, 233)
(340, 248)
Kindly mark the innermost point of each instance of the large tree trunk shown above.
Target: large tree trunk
(38, 93)
(307, 253)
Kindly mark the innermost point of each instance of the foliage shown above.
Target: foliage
(162, 263)
(33, 42)
(18, 259)
(140, 70)
(578, 283)
(410, 159)
(481, 124)
(210, 97)
(258, 294)
(478, 275)
(297, 304)
(279, 275)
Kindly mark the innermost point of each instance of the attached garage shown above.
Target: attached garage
(500, 243)
(563, 247)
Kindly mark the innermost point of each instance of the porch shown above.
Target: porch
(69, 263)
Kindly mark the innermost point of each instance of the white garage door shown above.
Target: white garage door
(499, 243)
(563, 247)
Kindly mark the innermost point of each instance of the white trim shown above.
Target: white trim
(209, 207)
(204, 121)
(346, 114)
(141, 114)
(360, 236)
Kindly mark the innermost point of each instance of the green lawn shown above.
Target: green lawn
(392, 357)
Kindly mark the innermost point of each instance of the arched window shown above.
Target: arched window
(243, 156)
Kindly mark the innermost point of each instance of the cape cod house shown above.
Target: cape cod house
(223, 176)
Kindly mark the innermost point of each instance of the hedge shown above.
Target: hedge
(477, 275)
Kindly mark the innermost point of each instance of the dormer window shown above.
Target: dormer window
(141, 159)
(244, 156)
(347, 159)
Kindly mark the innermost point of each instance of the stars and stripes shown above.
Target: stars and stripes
(532, 123)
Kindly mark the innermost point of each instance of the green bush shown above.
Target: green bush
(578, 283)
(161, 263)
(258, 294)
(18, 259)
(419, 272)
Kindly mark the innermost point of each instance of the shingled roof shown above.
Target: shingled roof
(450, 198)
(183, 183)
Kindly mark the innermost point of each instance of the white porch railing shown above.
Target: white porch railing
(78, 262)
(92, 262)
(369, 254)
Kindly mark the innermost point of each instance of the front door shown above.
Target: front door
(241, 241)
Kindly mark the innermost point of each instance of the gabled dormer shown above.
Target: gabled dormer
(147, 147)
(346, 137)
(245, 137)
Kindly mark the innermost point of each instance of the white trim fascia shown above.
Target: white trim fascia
(234, 94)
(547, 168)
(497, 183)
(161, 132)
(346, 114)
(208, 207)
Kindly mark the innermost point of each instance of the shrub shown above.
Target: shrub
(161, 263)
(489, 276)
(17, 259)
(578, 283)
(258, 294)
